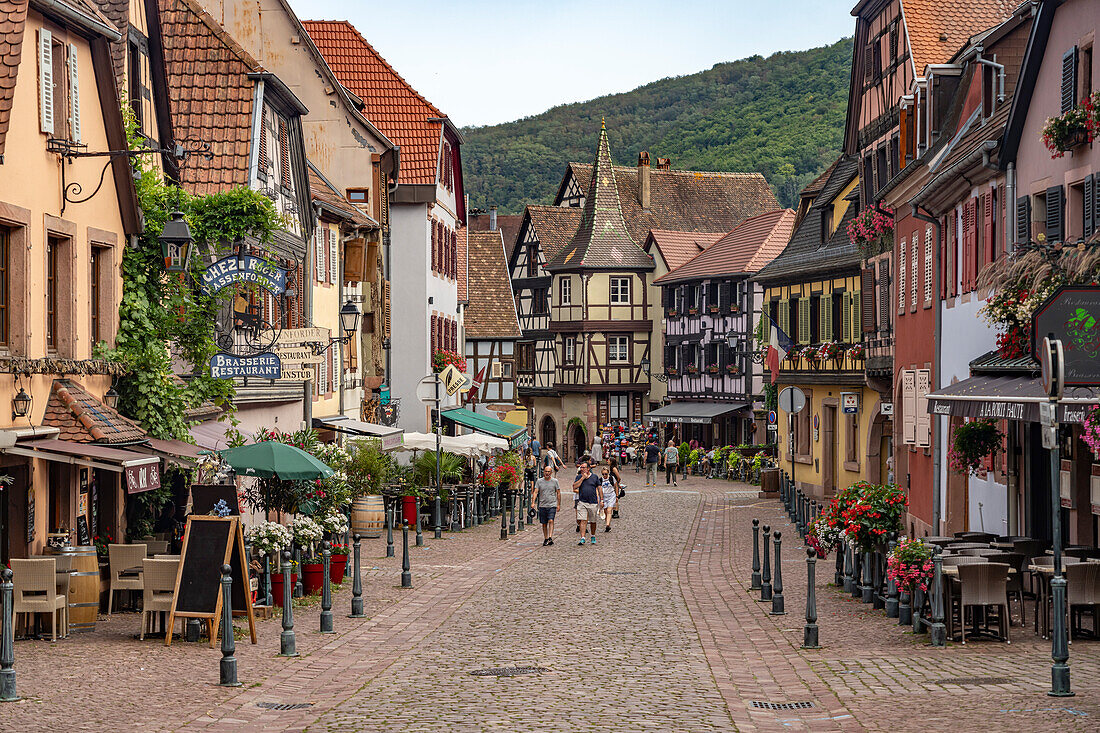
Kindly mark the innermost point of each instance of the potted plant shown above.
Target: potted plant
(692, 369)
(871, 512)
(735, 307)
(856, 352)
(733, 369)
(872, 232)
(811, 354)
(693, 310)
(673, 313)
(441, 359)
(277, 582)
(1076, 127)
(307, 533)
(829, 350)
(335, 525)
(712, 308)
(910, 565)
(970, 443)
(672, 371)
(712, 368)
(338, 563)
(825, 534)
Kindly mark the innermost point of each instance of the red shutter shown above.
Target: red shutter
(454, 255)
(968, 244)
(433, 349)
(454, 335)
(943, 258)
(990, 232)
(435, 248)
(974, 224)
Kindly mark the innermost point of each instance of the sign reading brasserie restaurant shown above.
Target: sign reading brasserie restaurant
(247, 269)
(262, 366)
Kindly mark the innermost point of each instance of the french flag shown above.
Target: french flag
(779, 344)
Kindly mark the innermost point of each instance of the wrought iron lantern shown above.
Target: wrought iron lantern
(176, 243)
(20, 404)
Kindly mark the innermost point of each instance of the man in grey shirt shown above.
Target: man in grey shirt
(547, 496)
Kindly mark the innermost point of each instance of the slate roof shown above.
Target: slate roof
(391, 103)
(805, 253)
(602, 240)
(687, 201)
(754, 243)
(676, 248)
(209, 95)
(554, 226)
(323, 192)
(929, 21)
(818, 183)
(13, 17)
(82, 418)
(491, 313)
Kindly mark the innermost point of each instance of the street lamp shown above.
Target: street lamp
(349, 319)
(111, 398)
(20, 404)
(646, 366)
(176, 243)
(733, 340)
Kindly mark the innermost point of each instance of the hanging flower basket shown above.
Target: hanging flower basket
(872, 232)
(970, 443)
(1091, 431)
(1076, 127)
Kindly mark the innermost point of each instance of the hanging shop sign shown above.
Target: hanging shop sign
(261, 366)
(248, 269)
(849, 402)
(1072, 315)
(143, 477)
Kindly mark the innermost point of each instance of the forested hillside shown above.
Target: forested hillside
(782, 116)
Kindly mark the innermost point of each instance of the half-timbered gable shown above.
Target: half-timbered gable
(492, 328)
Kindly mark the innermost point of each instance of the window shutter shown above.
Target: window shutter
(333, 369)
(989, 242)
(319, 247)
(263, 159)
(1023, 220)
(665, 299)
(845, 315)
(943, 258)
(884, 294)
(914, 269)
(908, 407)
(867, 291)
(783, 312)
(803, 320)
(971, 242)
(322, 378)
(45, 81)
(928, 265)
(74, 95)
(386, 309)
(333, 256)
(454, 255)
(853, 335)
(725, 298)
(901, 274)
(826, 312)
(1089, 205)
(1069, 80)
(1056, 204)
(284, 153)
(922, 421)
(868, 62)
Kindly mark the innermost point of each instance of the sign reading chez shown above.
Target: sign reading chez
(262, 366)
(144, 477)
(247, 269)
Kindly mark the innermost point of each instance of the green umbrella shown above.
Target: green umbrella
(275, 460)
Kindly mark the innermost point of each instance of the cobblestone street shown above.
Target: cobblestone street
(651, 629)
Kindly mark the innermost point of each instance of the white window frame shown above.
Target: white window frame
(618, 349)
(618, 407)
(619, 290)
(565, 291)
(569, 350)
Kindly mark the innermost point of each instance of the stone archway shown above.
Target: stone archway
(548, 431)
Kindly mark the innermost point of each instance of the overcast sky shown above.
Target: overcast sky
(488, 61)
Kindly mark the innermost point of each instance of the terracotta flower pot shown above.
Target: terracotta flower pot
(337, 567)
(313, 577)
(277, 586)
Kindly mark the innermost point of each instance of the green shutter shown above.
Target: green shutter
(846, 315)
(856, 323)
(827, 317)
(803, 320)
(784, 315)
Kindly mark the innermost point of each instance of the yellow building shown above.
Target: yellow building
(813, 293)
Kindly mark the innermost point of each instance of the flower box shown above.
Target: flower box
(1076, 127)
(732, 369)
(693, 370)
(672, 372)
(693, 311)
(673, 313)
(712, 369)
(735, 308)
(712, 309)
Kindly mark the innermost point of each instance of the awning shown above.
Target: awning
(142, 471)
(514, 434)
(696, 413)
(1009, 398)
(391, 437)
(173, 451)
(211, 434)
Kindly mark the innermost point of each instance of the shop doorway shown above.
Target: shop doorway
(16, 514)
(828, 450)
(549, 432)
(578, 441)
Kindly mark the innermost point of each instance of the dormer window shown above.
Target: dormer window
(275, 166)
(358, 195)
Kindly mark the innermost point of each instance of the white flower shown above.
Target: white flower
(306, 531)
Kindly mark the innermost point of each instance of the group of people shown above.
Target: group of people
(657, 459)
(596, 492)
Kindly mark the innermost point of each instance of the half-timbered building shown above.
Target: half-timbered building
(492, 328)
(710, 309)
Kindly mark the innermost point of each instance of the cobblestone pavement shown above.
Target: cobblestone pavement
(653, 629)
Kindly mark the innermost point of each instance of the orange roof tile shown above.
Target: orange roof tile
(491, 313)
(82, 418)
(394, 107)
(746, 249)
(938, 29)
(678, 247)
(13, 16)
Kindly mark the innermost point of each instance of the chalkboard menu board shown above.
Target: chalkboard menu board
(208, 543)
(82, 537)
(205, 496)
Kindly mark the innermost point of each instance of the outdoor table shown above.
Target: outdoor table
(940, 540)
(1003, 546)
(1046, 573)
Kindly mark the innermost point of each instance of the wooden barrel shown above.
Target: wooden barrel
(83, 586)
(368, 516)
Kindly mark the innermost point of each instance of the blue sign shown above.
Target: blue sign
(261, 366)
(771, 417)
(247, 269)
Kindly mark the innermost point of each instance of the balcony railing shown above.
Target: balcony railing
(880, 354)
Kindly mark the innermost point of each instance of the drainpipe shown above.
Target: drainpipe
(937, 457)
(1000, 69)
(1010, 207)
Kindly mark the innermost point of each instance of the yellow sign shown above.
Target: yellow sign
(452, 379)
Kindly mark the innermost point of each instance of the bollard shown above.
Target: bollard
(938, 632)
(878, 600)
(268, 600)
(798, 511)
(7, 638)
(510, 497)
(891, 587)
(356, 584)
(193, 629)
(228, 666)
(326, 589)
(755, 555)
(299, 592)
(905, 611)
(857, 573)
(406, 576)
(809, 631)
(838, 569)
(777, 596)
(389, 529)
(522, 508)
(867, 589)
(419, 532)
(917, 602)
(766, 576)
(286, 640)
(813, 512)
(1059, 671)
(504, 525)
(437, 530)
(848, 568)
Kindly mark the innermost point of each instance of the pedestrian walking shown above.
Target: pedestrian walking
(530, 465)
(617, 479)
(608, 497)
(652, 459)
(672, 460)
(546, 495)
(536, 448)
(588, 489)
(551, 458)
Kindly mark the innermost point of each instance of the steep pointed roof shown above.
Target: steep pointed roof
(602, 239)
(754, 243)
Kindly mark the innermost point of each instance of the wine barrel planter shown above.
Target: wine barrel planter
(83, 586)
(368, 516)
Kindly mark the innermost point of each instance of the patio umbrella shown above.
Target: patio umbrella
(272, 459)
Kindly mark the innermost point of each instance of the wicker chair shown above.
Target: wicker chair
(36, 592)
(1015, 584)
(968, 545)
(156, 547)
(976, 536)
(124, 557)
(978, 551)
(1084, 553)
(984, 585)
(1082, 589)
(962, 560)
(159, 590)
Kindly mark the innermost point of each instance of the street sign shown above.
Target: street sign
(247, 269)
(772, 417)
(1052, 367)
(792, 400)
(849, 402)
(886, 408)
(426, 389)
(1072, 315)
(452, 379)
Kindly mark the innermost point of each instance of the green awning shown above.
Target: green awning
(514, 434)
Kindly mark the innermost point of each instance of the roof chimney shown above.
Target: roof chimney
(492, 218)
(643, 179)
(664, 164)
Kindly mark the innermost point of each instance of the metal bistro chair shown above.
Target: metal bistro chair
(121, 558)
(35, 591)
(1082, 592)
(983, 585)
(158, 591)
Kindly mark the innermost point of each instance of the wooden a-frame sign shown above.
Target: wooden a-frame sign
(208, 543)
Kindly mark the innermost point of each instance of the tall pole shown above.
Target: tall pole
(437, 530)
(1059, 671)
